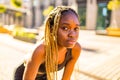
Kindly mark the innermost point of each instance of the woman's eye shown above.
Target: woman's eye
(65, 28)
(77, 28)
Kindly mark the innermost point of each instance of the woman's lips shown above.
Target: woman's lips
(71, 41)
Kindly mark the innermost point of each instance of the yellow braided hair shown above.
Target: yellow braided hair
(51, 48)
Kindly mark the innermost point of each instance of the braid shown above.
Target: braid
(51, 48)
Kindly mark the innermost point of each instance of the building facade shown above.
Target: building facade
(94, 14)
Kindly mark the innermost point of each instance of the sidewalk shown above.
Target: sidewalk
(15, 43)
(100, 56)
(12, 53)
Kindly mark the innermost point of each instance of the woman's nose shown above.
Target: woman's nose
(72, 34)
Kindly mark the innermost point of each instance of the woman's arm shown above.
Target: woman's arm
(70, 65)
(32, 65)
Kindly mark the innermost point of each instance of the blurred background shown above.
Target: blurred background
(21, 27)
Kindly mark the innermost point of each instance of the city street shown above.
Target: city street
(22, 26)
(99, 59)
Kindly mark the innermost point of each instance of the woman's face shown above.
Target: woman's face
(68, 30)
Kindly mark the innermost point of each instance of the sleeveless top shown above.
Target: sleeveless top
(68, 56)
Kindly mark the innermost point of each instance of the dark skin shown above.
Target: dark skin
(68, 33)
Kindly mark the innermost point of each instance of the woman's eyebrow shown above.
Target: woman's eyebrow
(66, 23)
(69, 24)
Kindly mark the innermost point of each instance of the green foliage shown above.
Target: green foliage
(19, 31)
(18, 14)
(48, 10)
(101, 18)
(2, 8)
(82, 13)
(25, 34)
(16, 3)
(114, 4)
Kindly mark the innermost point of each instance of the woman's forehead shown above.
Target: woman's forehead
(64, 12)
(69, 18)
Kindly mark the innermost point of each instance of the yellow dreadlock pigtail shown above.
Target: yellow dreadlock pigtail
(51, 47)
(49, 44)
(55, 29)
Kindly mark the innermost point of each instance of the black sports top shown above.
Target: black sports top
(68, 56)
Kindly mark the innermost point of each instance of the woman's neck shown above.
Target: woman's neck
(61, 49)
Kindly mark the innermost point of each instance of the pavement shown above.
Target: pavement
(100, 56)
(99, 59)
(12, 52)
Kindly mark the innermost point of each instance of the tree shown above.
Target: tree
(114, 4)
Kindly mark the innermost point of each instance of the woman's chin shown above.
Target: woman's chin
(70, 46)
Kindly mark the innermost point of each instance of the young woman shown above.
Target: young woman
(59, 48)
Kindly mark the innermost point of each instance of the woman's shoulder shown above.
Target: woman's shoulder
(38, 53)
(39, 50)
(77, 46)
(76, 50)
